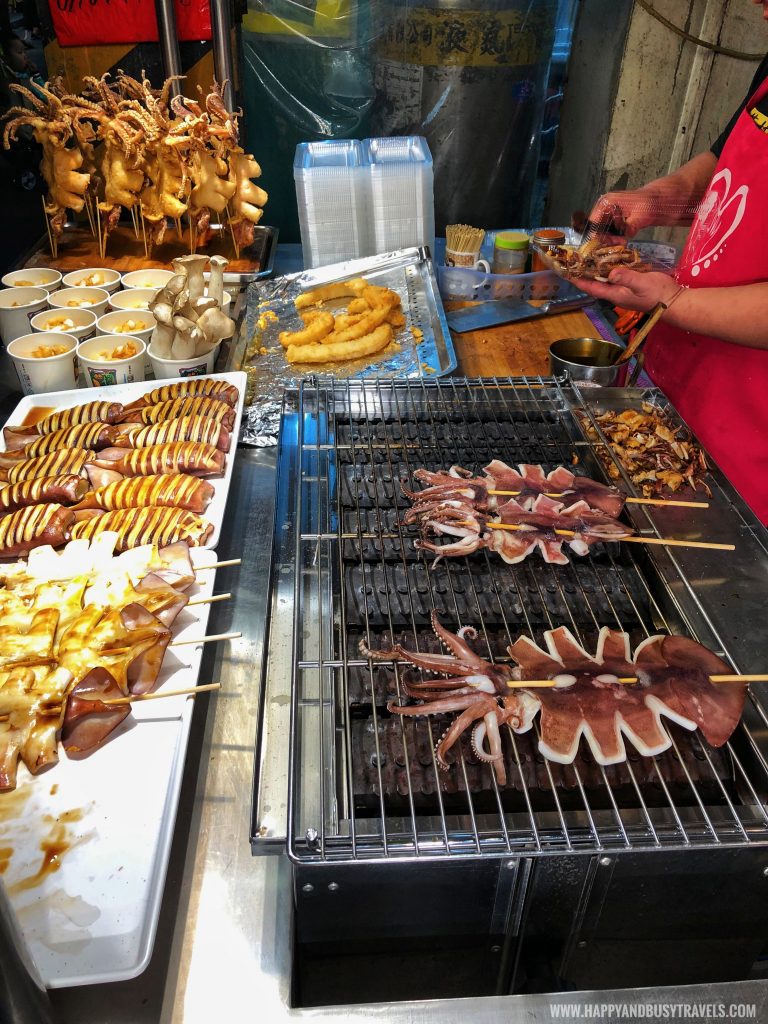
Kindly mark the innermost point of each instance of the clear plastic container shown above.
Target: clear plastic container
(401, 192)
(510, 252)
(461, 283)
(332, 195)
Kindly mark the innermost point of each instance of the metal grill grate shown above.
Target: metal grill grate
(364, 784)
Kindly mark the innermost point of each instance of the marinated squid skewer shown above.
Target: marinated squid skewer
(176, 408)
(184, 428)
(67, 489)
(169, 490)
(151, 525)
(89, 412)
(85, 435)
(30, 527)
(195, 387)
(65, 461)
(177, 457)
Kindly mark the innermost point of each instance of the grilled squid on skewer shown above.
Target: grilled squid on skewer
(211, 408)
(135, 526)
(195, 387)
(89, 412)
(169, 490)
(30, 527)
(63, 490)
(31, 705)
(177, 457)
(87, 720)
(184, 428)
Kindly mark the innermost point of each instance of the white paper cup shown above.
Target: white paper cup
(93, 277)
(111, 322)
(154, 279)
(82, 322)
(94, 299)
(196, 367)
(33, 277)
(51, 373)
(132, 298)
(99, 371)
(17, 305)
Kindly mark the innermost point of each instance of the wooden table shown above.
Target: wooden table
(519, 348)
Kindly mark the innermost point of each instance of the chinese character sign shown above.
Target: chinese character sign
(99, 22)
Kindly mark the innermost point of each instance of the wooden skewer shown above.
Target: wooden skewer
(218, 565)
(634, 501)
(48, 229)
(208, 600)
(135, 219)
(87, 200)
(143, 232)
(187, 691)
(666, 541)
(232, 232)
(206, 639)
(179, 234)
(542, 684)
(102, 241)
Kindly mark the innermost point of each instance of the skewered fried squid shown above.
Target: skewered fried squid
(177, 457)
(135, 526)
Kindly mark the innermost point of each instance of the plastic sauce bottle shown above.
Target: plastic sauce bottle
(510, 252)
(543, 239)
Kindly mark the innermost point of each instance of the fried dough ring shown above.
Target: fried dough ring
(341, 351)
(315, 331)
(338, 290)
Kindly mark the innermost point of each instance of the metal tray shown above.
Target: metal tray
(409, 272)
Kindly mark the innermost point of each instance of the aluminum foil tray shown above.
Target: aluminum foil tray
(409, 272)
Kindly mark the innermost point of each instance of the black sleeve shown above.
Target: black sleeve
(760, 75)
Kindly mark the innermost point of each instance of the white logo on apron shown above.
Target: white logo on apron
(714, 222)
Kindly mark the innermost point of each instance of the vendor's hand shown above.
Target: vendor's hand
(620, 215)
(631, 288)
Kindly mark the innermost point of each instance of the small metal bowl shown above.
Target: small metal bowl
(587, 359)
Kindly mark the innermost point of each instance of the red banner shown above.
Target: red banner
(100, 22)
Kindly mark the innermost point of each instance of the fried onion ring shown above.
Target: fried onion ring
(341, 351)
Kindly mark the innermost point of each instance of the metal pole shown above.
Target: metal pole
(23, 999)
(221, 28)
(169, 41)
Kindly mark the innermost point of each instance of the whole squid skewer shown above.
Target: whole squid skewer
(67, 489)
(211, 408)
(84, 435)
(89, 412)
(196, 387)
(176, 457)
(184, 428)
(30, 527)
(64, 461)
(170, 490)
(135, 526)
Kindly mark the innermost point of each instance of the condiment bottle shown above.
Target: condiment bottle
(510, 252)
(544, 239)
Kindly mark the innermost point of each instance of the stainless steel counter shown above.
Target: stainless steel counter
(223, 949)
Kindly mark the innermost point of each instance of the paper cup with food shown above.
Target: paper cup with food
(33, 277)
(151, 278)
(136, 323)
(94, 299)
(109, 359)
(93, 277)
(80, 323)
(45, 361)
(17, 305)
(132, 299)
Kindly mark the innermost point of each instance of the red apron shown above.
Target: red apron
(721, 389)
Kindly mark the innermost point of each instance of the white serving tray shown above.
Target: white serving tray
(110, 818)
(127, 393)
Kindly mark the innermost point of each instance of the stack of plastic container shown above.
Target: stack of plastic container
(362, 198)
(332, 197)
(402, 192)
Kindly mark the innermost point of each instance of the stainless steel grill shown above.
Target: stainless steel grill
(364, 785)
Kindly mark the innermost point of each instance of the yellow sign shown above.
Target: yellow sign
(760, 119)
(326, 19)
(490, 38)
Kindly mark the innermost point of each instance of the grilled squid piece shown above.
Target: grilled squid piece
(177, 457)
(85, 435)
(211, 408)
(87, 721)
(31, 707)
(67, 489)
(66, 461)
(166, 490)
(30, 527)
(152, 525)
(185, 428)
(89, 412)
(194, 387)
